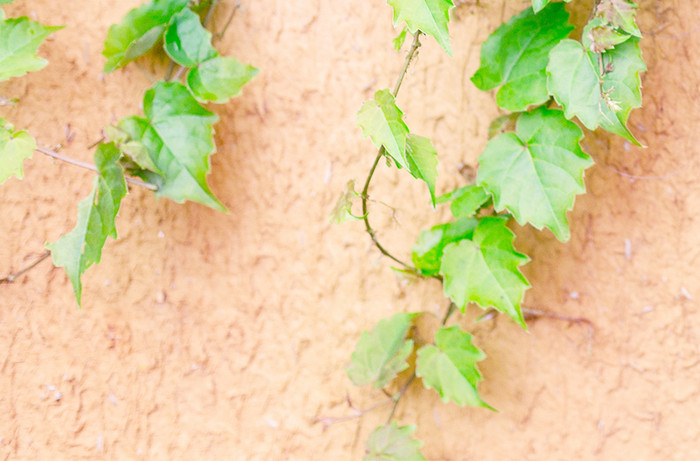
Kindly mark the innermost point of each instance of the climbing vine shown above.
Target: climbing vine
(167, 150)
(531, 171)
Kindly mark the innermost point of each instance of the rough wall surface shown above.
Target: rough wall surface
(212, 336)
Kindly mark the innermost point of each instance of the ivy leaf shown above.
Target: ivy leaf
(393, 443)
(422, 161)
(138, 31)
(598, 36)
(467, 200)
(342, 212)
(450, 368)
(485, 270)
(620, 14)
(178, 133)
(20, 39)
(399, 40)
(382, 121)
(515, 57)
(381, 354)
(427, 252)
(15, 148)
(537, 171)
(82, 247)
(126, 137)
(187, 42)
(219, 79)
(598, 97)
(429, 16)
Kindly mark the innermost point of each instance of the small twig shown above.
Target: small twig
(220, 35)
(145, 72)
(450, 310)
(380, 154)
(12, 277)
(330, 420)
(91, 167)
(96, 143)
(398, 397)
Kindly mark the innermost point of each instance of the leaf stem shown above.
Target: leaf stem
(91, 167)
(398, 397)
(380, 154)
(12, 277)
(450, 310)
(220, 35)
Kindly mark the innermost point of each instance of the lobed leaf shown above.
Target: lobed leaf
(138, 31)
(82, 247)
(381, 354)
(15, 148)
(382, 121)
(537, 171)
(485, 270)
(219, 79)
(342, 212)
(467, 200)
(393, 443)
(515, 56)
(186, 40)
(450, 368)
(20, 39)
(599, 89)
(620, 14)
(177, 132)
(428, 250)
(429, 16)
(422, 161)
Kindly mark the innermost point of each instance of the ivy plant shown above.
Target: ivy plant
(550, 83)
(167, 149)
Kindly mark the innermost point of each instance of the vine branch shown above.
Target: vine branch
(91, 167)
(12, 277)
(380, 154)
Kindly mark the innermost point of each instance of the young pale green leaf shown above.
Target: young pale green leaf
(127, 138)
(503, 124)
(422, 161)
(393, 443)
(619, 14)
(219, 79)
(429, 16)
(598, 95)
(82, 247)
(485, 270)
(381, 354)
(342, 212)
(178, 133)
(382, 120)
(427, 252)
(537, 5)
(598, 36)
(187, 42)
(515, 56)
(15, 148)
(4, 2)
(467, 200)
(400, 39)
(450, 368)
(138, 31)
(537, 171)
(20, 39)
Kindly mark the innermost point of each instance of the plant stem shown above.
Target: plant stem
(12, 277)
(220, 35)
(91, 167)
(450, 310)
(380, 154)
(398, 397)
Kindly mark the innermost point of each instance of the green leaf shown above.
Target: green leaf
(20, 39)
(381, 354)
(619, 14)
(219, 79)
(15, 148)
(467, 200)
(178, 133)
(515, 57)
(429, 16)
(187, 42)
(138, 31)
(422, 161)
(450, 368)
(537, 5)
(4, 2)
(537, 171)
(342, 212)
(382, 121)
(597, 96)
(400, 39)
(485, 270)
(393, 443)
(82, 247)
(127, 137)
(503, 124)
(598, 36)
(428, 250)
